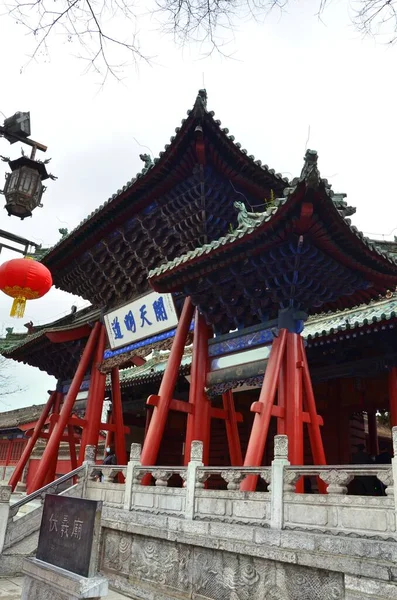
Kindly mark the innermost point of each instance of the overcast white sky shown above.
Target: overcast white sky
(292, 78)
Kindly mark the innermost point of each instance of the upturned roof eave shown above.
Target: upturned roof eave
(36, 337)
(89, 230)
(367, 257)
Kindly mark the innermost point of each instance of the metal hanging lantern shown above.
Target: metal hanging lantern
(24, 188)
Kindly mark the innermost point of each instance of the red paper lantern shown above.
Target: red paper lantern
(24, 279)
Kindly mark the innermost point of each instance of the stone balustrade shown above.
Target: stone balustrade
(188, 492)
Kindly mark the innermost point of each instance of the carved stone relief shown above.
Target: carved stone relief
(177, 570)
(310, 584)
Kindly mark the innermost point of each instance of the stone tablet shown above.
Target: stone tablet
(69, 534)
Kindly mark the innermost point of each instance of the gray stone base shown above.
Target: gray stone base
(48, 582)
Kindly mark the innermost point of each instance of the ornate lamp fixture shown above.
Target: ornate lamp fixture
(24, 188)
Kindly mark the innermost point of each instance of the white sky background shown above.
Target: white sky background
(289, 74)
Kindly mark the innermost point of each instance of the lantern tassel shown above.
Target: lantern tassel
(18, 308)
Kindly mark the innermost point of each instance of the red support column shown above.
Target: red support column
(53, 442)
(72, 448)
(393, 396)
(94, 410)
(282, 398)
(53, 419)
(293, 417)
(313, 427)
(160, 412)
(233, 438)
(17, 474)
(260, 427)
(89, 409)
(294, 404)
(373, 433)
(199, 421)
(316, 441)
(117, 408)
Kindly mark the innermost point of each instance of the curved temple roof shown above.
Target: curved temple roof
(302, 252)
(173, 164)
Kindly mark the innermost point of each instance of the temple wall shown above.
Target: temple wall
(63, 466)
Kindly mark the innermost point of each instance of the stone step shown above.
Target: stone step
(11, 589)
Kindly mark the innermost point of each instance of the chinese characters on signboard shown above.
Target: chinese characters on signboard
(69, 530)
(146, 317)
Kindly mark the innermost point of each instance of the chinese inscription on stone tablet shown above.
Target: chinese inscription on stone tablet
(69, 533)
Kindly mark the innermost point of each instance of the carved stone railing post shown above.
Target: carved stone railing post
(394, 468)
(89, 462)
(196, 460)
(135, 461)
(5, 495)
(277, 481)
(90, 455)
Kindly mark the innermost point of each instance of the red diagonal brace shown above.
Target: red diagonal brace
(17, 474)
(159, 417)
(260, 427)
(53, 443)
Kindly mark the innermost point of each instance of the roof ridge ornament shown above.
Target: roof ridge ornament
(244, 218)
(147, 159)
(310, 173)
(200, 106)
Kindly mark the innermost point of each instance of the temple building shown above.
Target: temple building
(228, 305)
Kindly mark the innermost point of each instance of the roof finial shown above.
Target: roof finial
(310, 173)
(200, 106)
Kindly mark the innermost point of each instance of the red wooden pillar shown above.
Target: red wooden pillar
(316, 441)
(160, 412)
(53, 443)
(117, 407)
(282, 398)
(373, 433)
(91, 408)
(18, 471)
(72, 447)
(393, 395)
(53, 419)
(233, 438)
(95, 406)
(294, 402)
(293, 409)
(199, 420)
(260, 426)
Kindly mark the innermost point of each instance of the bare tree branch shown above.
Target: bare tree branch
(8, 385)
(88, 23)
